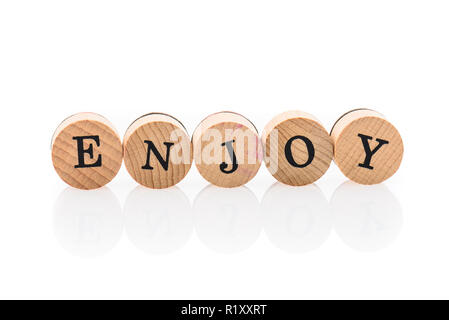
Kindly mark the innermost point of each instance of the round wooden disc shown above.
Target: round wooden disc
(368, 148)
(298, 149)
(227, 148)
(86, 151)
(157, 151)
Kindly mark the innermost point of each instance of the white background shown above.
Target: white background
(192, 58)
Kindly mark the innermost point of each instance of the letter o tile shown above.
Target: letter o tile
(227, 148)
(368, 148)
(86, 151)
(298, 149)
(157, 150)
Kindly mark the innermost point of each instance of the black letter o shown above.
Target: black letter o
(310, 150)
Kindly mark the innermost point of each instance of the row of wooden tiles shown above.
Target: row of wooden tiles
(87, 151)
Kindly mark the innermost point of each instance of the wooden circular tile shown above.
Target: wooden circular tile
(227, 148)
(157, 151)
(86, 151)
(298, 149)
(368, 148)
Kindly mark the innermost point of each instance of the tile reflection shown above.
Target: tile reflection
(158, 221)
(367, 218)
(88, 223)
(296, 219)
(227, 220)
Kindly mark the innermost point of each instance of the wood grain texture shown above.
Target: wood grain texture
(159, 129)
(350, 152)
(210, 153)
(283, 128)
(65, 151)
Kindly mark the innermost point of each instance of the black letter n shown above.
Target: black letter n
(152, 147)
(89, 151)
(368, 152)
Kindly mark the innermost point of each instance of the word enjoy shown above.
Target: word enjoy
(87, 151)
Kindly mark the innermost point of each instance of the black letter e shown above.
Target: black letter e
(89, 151)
